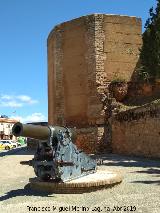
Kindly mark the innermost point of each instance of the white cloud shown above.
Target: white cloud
(10, 104)
(6, 97)
(34, 117)
(26, 99)
(16, 101)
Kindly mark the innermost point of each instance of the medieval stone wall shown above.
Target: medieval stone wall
(84, 56)
(121, 46)
(137, 131)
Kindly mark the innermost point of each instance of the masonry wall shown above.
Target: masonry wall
(137, 131)
(121, 46)
(67, 74)
(84, 56)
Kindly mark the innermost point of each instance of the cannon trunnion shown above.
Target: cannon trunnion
(57, 157)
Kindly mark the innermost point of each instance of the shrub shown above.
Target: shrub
(150, 52)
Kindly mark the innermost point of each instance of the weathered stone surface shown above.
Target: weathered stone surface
(92, 139)
(84, 55)
(137, 131)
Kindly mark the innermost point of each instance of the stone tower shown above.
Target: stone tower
(84, 56)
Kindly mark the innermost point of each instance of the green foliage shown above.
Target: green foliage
(118, 79)
(143, 75)
(150, 52)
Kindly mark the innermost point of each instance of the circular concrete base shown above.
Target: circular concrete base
(100, 179)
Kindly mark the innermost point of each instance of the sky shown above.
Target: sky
(24, 28)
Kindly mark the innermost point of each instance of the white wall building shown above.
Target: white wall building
(6, 125)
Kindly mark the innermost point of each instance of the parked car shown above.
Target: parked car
(13, 143)
(4, 144)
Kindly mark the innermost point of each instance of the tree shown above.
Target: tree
(150, 52)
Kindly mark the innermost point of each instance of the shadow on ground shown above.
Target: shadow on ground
(17, 151)
(128, 161)
(150, 166)
(148, 182)
(150, 171)
(23, 192)
(153, 172)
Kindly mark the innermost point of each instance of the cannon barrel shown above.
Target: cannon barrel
(31, 131)
(37, 131)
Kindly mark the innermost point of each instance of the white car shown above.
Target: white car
(14, 144)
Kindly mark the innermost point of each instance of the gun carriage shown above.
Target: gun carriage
(57, 157)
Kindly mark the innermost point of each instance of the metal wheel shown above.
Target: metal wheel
(42, 174)
(7, 148)
(46, 177)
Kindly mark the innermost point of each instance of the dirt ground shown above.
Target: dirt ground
(139, 191)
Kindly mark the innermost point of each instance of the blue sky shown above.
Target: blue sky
(24, 27)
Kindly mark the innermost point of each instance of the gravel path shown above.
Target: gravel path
(139, 191)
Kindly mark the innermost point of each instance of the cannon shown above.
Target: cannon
(57, 158)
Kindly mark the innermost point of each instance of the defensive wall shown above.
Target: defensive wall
(84, 56)
(137, 131)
